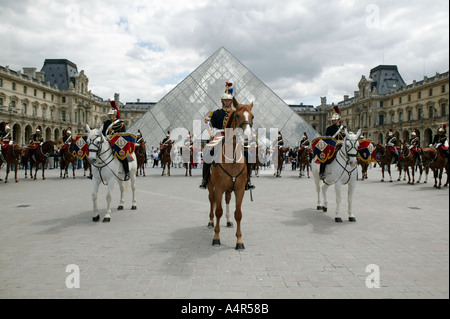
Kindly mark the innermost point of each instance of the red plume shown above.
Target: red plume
(336, 109)
(444, 126)
(139, 131)
(113, 105)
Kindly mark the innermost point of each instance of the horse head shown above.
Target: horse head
(351, 146)
(95, 142)
(243, 117)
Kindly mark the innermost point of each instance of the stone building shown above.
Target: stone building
(384, 101)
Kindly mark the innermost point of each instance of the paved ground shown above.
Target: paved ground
(163, 250)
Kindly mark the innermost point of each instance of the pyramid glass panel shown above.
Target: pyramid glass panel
(200, 92)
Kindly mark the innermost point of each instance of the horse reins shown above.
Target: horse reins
(346, 164)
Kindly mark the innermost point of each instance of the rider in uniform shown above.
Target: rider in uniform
(304, 142)
(67, 140)
(140, 140)
(218, 121)
(440, 140)
(5, 138)
(36, 140)
(391, 143)
(414, 143)
(335, 130)
(112, 126)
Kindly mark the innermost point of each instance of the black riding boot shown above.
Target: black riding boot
(126, 169)
(249, 185)
(322, 171)
(205, 175)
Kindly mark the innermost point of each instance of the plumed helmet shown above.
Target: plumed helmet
(413, 133)
(337, 113)
(7, 127)
(227, 96)
(390, 132)
(112, 111)
(443, 128)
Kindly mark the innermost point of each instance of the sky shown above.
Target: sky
(302, 49)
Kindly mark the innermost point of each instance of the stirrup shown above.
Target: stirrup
(249, 186)
(127, 177)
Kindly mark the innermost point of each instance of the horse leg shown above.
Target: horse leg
(73, 170)
(43, 170)
(227, 209)
(441, 170)
(351, 188)
(164, 168)
(238, 218)
(168, 168)
(324, 195)
(15, 171)
(389, 171)
(107, 217)
(96, 216)
(211, 207)
(133, 192)
(122, 192)
(382, 172)
(8, 167)
(317, 183)
(219, 212)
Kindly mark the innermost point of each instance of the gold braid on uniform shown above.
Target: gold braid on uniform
(225, 119)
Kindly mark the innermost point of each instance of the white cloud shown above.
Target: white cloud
(302, 50)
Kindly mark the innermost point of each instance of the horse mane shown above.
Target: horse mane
(230, 119)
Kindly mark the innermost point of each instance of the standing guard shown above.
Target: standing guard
(112, 126)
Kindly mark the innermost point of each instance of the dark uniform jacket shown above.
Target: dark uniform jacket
(117, 127)
(218, 118)
(414, 142)
(332, 129)
(439, 139)
(36, 138)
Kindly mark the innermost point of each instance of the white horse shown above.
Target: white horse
(106, 169)
(341, 171)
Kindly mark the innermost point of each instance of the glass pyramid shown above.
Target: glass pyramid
(189, 103)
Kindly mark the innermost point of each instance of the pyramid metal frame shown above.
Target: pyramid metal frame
(200, 92)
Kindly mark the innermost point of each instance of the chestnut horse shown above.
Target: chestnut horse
(409, 160)
(281, 155)
(67, 157)
(12, 155)
(229, 173)
(166, 159)
(140, 156)
(304, 159)
(40, 156)
(384, 159)
(432, 158)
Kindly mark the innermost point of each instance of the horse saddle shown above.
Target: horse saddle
(324, 149)
(123, 145)
(367, 151)
(81, 146)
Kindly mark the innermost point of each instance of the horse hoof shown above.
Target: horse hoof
(106, 220)
(96, 218)
(352, 219)
(240, 247)
(382, 180)
(230, 225)
(390, 181)
(324, 209)
(210, 225)
(216, 242)
(338, 220)
(120, 207)
(133, 207)
(319, 207)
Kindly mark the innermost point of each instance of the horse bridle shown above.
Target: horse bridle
(346, 158)
(98, 150)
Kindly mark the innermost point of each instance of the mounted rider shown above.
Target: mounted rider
(36, 139)
(67, 140)
(391, 145)
(139, 141)
(216, 126)
(440, 141)
(414, 143)
(304, 142)
(112, 126)
(5, 138)
(163, 144)
(335, 130)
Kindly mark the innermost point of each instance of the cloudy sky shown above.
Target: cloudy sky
(301, 49)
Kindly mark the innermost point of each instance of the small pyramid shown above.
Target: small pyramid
(200, 92)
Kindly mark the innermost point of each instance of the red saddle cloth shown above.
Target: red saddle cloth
(123, 144)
